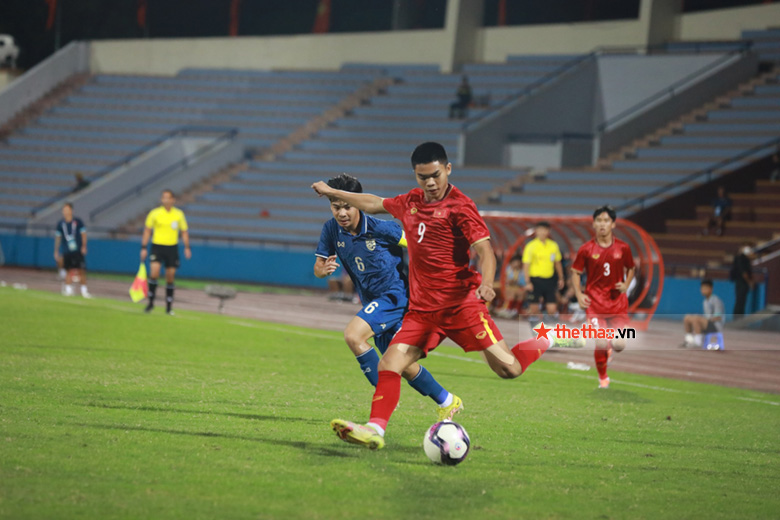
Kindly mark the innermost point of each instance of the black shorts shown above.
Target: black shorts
(544, 289)
(166, 255)
(74, 260)
(710, 328)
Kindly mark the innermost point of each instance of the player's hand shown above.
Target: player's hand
(486, 293)
(143, 254)
(321, 188)
(56, 257)
(584, 301)
(621, 286)
(84, 250)
(330, 265)
(187, 253)
(560, 283)
(529, 287)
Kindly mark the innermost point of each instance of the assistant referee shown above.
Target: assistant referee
(542, 262)
(163, 225)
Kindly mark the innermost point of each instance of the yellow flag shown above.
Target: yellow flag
(140, 288)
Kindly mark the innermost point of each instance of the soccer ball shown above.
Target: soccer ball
(446, 443)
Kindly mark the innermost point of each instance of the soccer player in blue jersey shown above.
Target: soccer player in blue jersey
(370, 251)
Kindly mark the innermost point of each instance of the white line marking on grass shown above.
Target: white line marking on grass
(627, 383)
(280, 329)
(757, 401)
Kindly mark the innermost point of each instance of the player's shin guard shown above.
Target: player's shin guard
(424, 383)
(169, 296)
(152, 291)
(369, 361)
(526, 352)
(601, 356)
(388, 391)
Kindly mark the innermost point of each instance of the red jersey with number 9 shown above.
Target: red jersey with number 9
(604, 267)
(439, 235)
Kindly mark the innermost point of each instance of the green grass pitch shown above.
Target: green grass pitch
(109, 413)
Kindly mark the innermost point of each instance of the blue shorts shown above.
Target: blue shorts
(384, 316)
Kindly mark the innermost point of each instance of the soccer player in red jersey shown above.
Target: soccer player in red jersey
(447, 298)
(608, 265)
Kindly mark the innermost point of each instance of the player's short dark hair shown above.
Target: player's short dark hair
(345, 182)
(707, 282)
(68, 204)
(515, 257)
(609, 210)
(543, 223)
(168, 190)
(429, 152)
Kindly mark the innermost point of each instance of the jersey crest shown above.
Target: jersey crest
(413, 211)
(371, 244)
(596, 256)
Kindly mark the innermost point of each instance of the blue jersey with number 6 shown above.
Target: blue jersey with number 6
(373, 258)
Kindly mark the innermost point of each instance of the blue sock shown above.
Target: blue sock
(369, 360)
(428, 386)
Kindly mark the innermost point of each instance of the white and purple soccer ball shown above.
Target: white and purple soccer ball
(446, 443)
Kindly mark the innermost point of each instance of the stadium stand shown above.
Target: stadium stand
(111, 116)
(766, 43)
(271, 199)
(719, 129)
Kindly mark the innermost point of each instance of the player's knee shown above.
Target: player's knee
(509, 371)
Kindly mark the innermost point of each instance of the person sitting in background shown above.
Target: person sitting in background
(459, 108)
(81, 182)
(341, 289)
(514, 289)
(742, 275)
(712, 321)
(721, 212)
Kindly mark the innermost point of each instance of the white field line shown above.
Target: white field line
(282, 329)
(627, 383)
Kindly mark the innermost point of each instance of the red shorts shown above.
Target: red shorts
(612, 321)
(469, 325)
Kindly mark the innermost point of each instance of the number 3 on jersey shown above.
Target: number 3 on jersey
(606, 269)
(421, 231)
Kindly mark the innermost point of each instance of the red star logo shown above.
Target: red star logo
(541, 331)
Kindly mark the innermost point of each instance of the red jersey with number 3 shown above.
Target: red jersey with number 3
(439, 235)
(604, 267)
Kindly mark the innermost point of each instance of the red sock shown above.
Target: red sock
(601, 355)
(388, 391)
(526, 352)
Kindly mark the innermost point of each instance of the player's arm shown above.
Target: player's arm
(362, 201)
(185, 237)
(487, 266)
(576, 284)
(57, 240)
(84, 242)
(325, 266)
(559, 272)
(624, 285)
(145, 241)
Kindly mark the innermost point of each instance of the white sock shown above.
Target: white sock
(68, 288)
(379, 429)
(697, 340)
(62, 273)
(447, 401)
(84, 289)
(689, 339)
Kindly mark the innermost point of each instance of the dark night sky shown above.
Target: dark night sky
(101, 19)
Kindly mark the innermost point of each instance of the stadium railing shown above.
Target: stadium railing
(700, 47)
(705, 175)
(222, 134)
